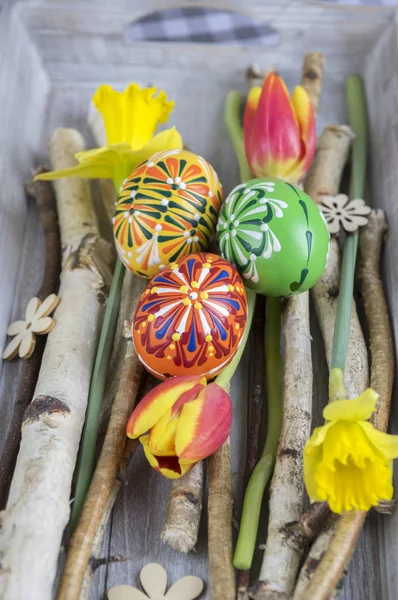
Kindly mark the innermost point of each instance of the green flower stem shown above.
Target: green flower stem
(263, 470)
(89, 438)
(232, 117)
(356, 100)
(224, 378)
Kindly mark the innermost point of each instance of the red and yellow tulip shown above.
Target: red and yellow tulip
(186, 420)
(279, 131)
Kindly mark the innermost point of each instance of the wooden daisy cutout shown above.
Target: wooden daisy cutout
(37, 321)
(154, 581)
(339, 211)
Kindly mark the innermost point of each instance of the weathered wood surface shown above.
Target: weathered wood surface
(56, 56)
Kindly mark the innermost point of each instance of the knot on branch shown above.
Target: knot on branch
(43, 406)
(93, 253)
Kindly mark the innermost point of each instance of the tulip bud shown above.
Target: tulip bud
(186, 421)
(279, 131)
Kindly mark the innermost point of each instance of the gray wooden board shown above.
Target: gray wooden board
(54, 54)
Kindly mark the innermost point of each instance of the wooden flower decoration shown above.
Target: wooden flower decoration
(340, 212)
(37, 321)
(154, 581)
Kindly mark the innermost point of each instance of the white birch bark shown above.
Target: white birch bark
(38, 506)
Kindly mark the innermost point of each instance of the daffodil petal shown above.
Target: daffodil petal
(317, 438)
(86, 170)
(169, 139)
(358, 409)
(115, 162)
(385, 443)
(310, 463)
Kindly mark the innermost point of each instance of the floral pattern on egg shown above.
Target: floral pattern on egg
(167, 208)
(275, 235)
(191, 318)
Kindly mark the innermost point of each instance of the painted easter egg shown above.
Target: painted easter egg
(191, 317)
(167, 208)
(275, 235)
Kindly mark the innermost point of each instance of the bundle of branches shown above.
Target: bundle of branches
(53, 421)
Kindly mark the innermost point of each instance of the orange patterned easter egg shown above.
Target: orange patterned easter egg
(191, 318)
(167, 208)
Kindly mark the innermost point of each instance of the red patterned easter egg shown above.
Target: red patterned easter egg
(167, 208)
(191, 317)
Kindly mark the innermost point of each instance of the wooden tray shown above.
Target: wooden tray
(54, 54)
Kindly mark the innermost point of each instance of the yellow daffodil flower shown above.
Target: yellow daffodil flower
(130, 120)
(347, 462)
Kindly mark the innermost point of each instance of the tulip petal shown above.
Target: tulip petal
(274, 144)
(358, 409)
(162, 434)
(250, 110)
(169, 466)
(305, 116)
(204, 424)
(157, 402)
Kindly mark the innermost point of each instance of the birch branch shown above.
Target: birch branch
(38, 504)
(181, 527)
(282, 553)
(348, 528)
(42, 192)
(102, 485)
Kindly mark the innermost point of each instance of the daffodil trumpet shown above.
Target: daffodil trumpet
(180, 422)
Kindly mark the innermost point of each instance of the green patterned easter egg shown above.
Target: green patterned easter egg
(275, 235)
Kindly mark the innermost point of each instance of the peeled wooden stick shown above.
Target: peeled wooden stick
(100, 490)
(44, 195)
(180, 530)
(349, 526)
(282, 555)
(221, 503)
(38, 504)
